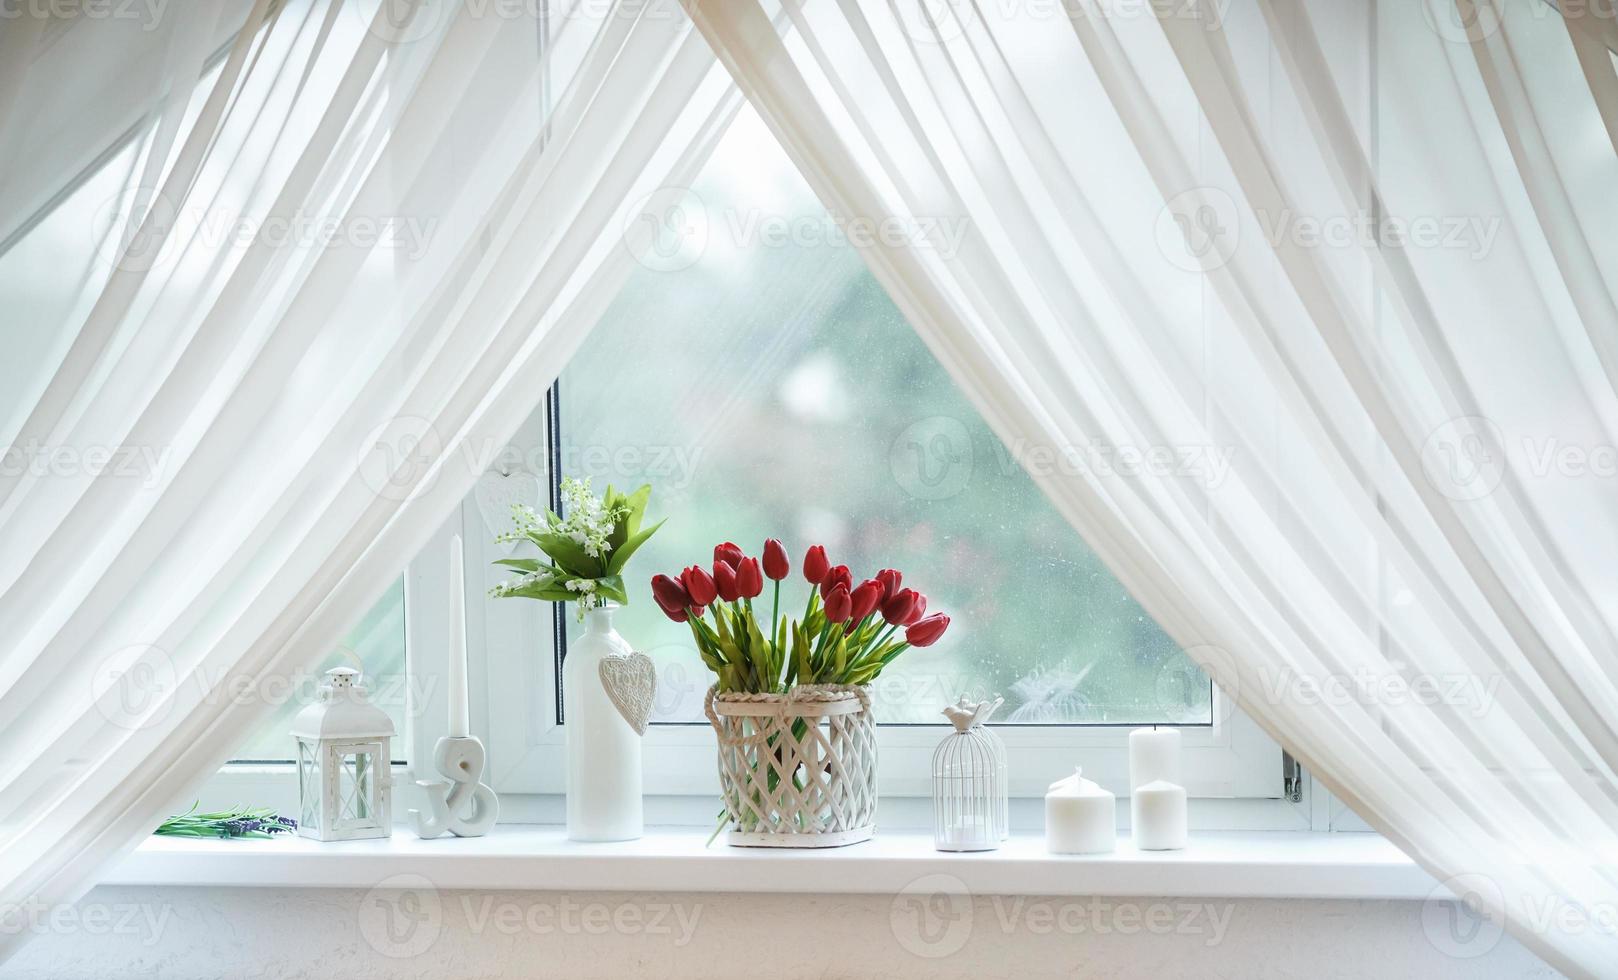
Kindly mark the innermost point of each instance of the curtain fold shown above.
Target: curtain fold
(350, 260)
(1367, 250)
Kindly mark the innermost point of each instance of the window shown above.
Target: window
(821, 417)
(376, 647)
(779, 391)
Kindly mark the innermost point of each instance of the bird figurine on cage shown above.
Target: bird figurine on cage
(969, 781)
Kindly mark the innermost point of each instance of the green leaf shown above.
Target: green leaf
(637, 509)
(521, 564)
(612, 586)
(568, 555)
(621, 554)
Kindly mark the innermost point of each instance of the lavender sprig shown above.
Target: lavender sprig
(258, 823)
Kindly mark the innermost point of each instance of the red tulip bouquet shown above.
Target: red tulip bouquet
(846, 635)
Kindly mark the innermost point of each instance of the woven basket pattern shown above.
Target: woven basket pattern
(800, 764)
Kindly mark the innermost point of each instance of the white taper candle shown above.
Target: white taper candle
(459, 726)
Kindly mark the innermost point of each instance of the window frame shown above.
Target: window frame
(1232, 758)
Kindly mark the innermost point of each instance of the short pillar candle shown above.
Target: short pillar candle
(1157, 816)
(1080, 817)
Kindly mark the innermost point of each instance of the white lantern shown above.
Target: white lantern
(345, 777)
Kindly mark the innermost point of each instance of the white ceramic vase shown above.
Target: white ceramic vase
(603, 751)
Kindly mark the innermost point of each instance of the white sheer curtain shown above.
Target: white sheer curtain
(347, 255)
(1365, 252)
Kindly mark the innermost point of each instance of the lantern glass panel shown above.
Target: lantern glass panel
(355, 786)
(309, 784)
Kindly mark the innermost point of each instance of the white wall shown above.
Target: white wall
(182, 933)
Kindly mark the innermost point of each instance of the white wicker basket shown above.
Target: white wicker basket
(797, 769)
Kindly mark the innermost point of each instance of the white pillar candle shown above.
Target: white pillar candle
(1154, 754)
(1157, 816)
(1080, 817)
(459, 725)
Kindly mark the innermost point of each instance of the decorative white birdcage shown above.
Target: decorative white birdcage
(970, 797)
(345, 779)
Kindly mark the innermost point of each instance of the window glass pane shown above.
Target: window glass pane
(758, 376)
(376, 648)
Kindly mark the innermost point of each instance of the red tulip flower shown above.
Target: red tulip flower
(864, 599)
(727, 553)
(815, 565)
(896, 608)
(749, 579)
(835, 577)
(839, 604)
(890, 579)
(724, 579)
(927, 631)
(677, 614)
(669, 594)
(917, 611)
(776, 565)
(700, 585)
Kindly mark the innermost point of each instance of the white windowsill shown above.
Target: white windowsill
(517, 857)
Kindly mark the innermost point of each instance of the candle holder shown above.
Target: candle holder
(461, 803)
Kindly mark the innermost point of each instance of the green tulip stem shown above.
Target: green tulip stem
(775, 608)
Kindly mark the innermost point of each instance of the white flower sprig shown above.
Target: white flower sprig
(584, 567)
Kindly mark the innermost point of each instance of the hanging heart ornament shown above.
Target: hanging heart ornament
(630, 681)
(497, 493)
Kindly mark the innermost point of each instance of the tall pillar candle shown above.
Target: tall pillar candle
(1154, 754)
(459, 720)
(1157, 816)
(1080, 817)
